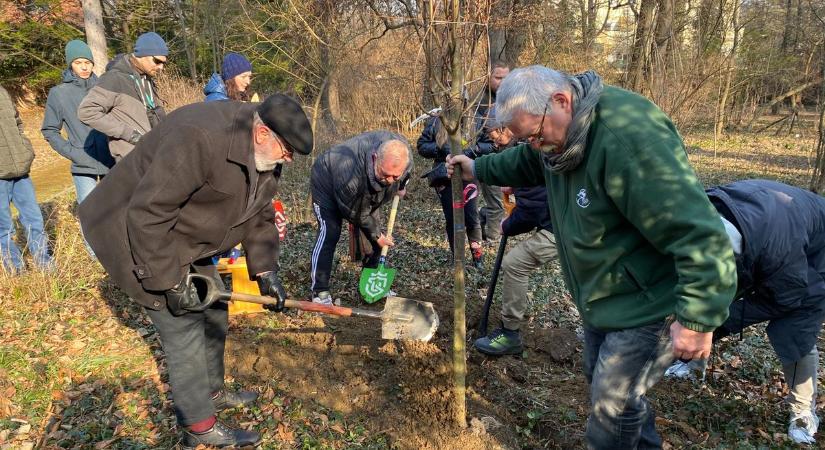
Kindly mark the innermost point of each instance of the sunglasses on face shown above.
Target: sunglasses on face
(158, 62)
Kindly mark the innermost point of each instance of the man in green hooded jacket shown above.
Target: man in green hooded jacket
(643, 252)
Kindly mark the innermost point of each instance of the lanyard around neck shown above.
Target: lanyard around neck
(146, 96)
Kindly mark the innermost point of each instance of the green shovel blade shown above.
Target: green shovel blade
(375, 283)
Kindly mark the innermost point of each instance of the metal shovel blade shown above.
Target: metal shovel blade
(375, 283)
(404, 318)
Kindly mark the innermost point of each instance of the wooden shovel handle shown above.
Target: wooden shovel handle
(293, 304)
(391, 224)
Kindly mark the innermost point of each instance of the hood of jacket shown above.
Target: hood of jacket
(70, 77)
(215, 89)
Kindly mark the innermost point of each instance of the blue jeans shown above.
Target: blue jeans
(620, 367)
(20, 191)
(83, 185)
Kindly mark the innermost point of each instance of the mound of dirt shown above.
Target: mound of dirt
(400, 388)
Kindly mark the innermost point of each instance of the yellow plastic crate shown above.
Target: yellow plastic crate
(240, 283)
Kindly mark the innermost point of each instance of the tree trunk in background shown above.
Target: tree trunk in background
(664, 31)
(95, 34)
(324, 10)
(722, 105)
(818, 176)
(187, 44)
(788, 31)
(640, 54)
(507, 36)
(588, 10)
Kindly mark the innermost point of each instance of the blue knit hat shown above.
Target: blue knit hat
(78, 49)
(150, 44)
(233, 65)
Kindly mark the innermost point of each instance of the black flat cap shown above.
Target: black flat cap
(287, 119)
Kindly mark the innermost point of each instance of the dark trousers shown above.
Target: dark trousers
(472, 221)
(194, 346)
(621, 366)
(329, 232)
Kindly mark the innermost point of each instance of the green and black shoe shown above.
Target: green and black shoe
(500, 342)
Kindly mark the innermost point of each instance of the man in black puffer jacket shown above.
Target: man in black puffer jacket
(531, 213)
(351, 181)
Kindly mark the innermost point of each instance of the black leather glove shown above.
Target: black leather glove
(270, 285)
(182, 298)
(135, 137)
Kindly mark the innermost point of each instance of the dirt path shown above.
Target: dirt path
(50, 172)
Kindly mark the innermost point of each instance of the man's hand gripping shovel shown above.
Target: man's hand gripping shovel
(401, 318)
(375, 283)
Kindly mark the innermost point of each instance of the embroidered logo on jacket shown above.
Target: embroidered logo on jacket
(581, 199)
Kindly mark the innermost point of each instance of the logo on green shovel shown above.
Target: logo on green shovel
(375, 283)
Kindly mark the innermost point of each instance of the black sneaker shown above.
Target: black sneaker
(220, 435)
(228, 400)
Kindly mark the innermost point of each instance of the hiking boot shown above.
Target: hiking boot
(500, 342)
(803, 428)
(323, 298)
(224, 399)
(220, 435)
(477, 253)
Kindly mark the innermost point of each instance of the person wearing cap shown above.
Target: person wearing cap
(86, 148)
(644, 255)
(233, 82)
(197, 185)
(351, 181)
(124, 105)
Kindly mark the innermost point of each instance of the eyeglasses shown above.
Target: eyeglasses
(158, 62)
(537, 138)
(285, 149)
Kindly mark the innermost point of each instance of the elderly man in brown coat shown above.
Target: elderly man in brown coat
(198, 184)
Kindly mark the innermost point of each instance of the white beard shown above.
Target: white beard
(266, 165)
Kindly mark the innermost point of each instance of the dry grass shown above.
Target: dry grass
(176, 91)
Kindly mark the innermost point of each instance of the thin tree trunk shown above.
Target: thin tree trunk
(184, 34)
(95, 34)
(818, 177)
(721, 111)
(459, 232)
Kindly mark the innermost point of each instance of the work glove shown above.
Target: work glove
(182, 298)
(270, 285)
(135, 137)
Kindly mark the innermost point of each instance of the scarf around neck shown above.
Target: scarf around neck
(587, 87)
